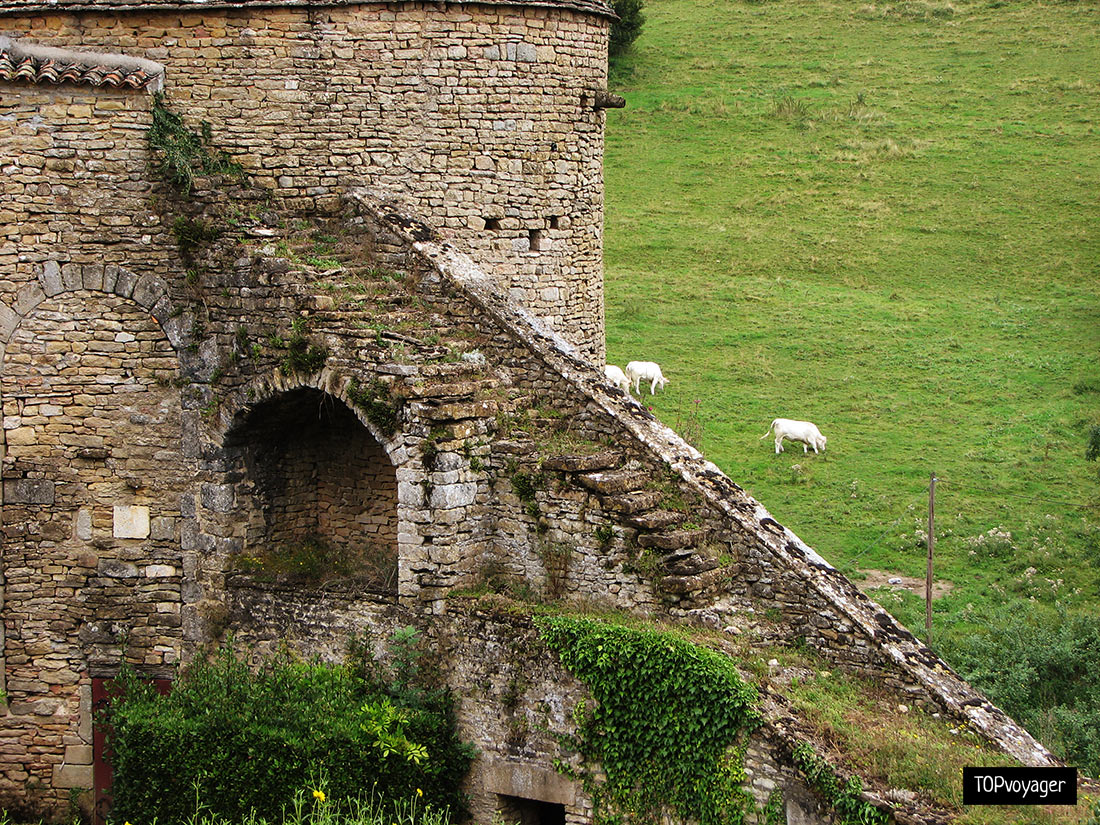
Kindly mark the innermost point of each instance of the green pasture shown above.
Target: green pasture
(884, 219)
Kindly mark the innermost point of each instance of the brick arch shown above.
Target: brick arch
(147, 291)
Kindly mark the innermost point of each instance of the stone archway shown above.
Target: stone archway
(314, 491)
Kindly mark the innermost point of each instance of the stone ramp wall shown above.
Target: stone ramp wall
(775, 568)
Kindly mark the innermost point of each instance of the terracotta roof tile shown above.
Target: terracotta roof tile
(37, 70)
(33, 63)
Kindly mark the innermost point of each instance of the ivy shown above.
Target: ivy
(669, 727)
(845, 798)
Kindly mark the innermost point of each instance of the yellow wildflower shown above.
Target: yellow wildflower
(319, 796)
(419, 792)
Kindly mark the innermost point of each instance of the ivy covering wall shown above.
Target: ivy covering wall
(669, 726)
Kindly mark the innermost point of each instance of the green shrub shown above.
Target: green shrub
(1039, 665)
(243, 740)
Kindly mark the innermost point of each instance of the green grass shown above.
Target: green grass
(883, 219)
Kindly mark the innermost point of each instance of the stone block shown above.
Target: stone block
(218, 498)
(115, 569)
(529, 782)
(453, 495)
(131, 521)
(72, 776)
(28, 490)
(78, 754)
(51, 278)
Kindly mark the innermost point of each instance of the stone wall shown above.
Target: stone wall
(514, 701)
(93, 473)
(481, 118)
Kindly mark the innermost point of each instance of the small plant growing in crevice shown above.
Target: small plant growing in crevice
(604, 534)
(430, 451)
(378, 403)
(555, 558)
(846, 799)
(190, 234)
(526, 484)
(184, 154)
(302, 355)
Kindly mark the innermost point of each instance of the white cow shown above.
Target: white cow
(638, 371)
(616, 377)
(802, 431)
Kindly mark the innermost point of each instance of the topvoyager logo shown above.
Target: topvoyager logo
(1019, 786)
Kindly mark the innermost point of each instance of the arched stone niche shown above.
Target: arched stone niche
(315, 493)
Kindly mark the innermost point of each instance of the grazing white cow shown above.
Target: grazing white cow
(617, 377)
(638, 371)
(802, 431)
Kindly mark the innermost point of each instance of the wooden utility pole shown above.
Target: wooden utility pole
(931, 547)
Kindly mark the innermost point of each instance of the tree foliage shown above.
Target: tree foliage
(1040, 665)
(626, 29)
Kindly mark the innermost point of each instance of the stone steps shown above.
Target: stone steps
(655, 519)
(614, 482)
(606, 460)
(633, 502)
(673, 540)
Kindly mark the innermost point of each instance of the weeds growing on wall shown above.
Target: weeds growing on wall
(845, 798)
(378, 403)
(242, 741)
(184, 154)
(300, 353)
(669, 726)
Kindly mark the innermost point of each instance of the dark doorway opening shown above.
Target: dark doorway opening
(530, 811)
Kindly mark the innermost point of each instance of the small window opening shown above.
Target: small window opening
(492, 223)
(554, 222)
(530, 811)
(537, 240)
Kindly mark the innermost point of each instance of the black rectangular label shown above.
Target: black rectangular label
(1019, 786)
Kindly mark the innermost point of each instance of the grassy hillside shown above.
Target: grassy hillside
(884, 219)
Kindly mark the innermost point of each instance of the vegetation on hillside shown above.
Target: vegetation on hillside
(881, 218)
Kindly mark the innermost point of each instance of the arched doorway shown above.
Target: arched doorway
(315, 491)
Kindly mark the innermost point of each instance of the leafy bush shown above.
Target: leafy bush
(1039, 665)
(626, 29)
(1092, 451)
(243, 740)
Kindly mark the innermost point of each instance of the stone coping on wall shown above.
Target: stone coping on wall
(32, 63)
(920, 666)
(598, 7)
